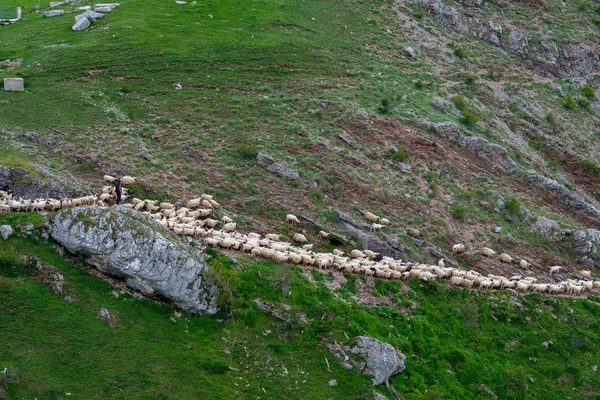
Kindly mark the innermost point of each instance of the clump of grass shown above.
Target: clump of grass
(588, 91)
(469, 117)
(583, 102)
(591, 168)
(385, 106)
(400, 155)
(247, 149)
(470, 79)
(550, 119)
(458, 211)
(459, 102)
(570, 103)
(512, 205)
(214, 367)
(460, 52)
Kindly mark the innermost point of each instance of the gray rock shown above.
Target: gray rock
(32, 185)
(379, 396)
(494, 155)
(121, 242)
(83, 8)
(574, 201)
(410, 52)
(517, 42)
(102, 9)
(381, 360)
(403, 167)
(277, 167)
(14, 84)
(107, 5)
(497, 229)
(56, 3)
(448, 130)
(348, 140)
(105, 316)
(6, 231)
(53, 13)
(82, 24)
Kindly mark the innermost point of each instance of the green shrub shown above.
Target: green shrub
(399, 156)
(469, 117)
(570, 103)
(458, 211)
(460, 52)
(512, 205)
(591, 168)
(386, 106)
(214, 367)
(583, 102)
(419, 14)
(470, 79)
(247, 149)
(419, 85)
(513, 107)
(550, 119)
(459, 102)
(588, 91)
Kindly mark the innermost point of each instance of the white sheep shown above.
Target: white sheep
(441, 263)
(127, 180)
(307, 246)
(193, 203)
(486, 251)
(273, 236)
(586, 274)
(109, 179)
(555, 269)
(226, 219)
(230, 227)
(292, 219)
(384, 221)
(505, 258)
(458, 248)
(324, 235)
(357, 254)
(371, 254)
(524, 264)
(300, 238)
(370, 216)
(376, 227)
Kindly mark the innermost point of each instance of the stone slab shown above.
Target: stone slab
(14, 84)
(53, 13)
(82, 24)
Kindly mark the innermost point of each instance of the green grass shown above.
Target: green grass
(455, 340)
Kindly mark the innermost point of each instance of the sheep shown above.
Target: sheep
(273, 236)
(109, 179)
(370, 216)
(524, 264)
(357, 254)
(371, 254)
(555, 269)
(376, 227)
(413, 232)
(384, 221)
(206, 203)
(211, 223)
(337, 252)
(193, 203)
(204, 212)
(596, 285)
(229, 227)
(127, 180)
(586, 274)
(307, 247)
(292, 219)
(505, 258)
(456, 280)
(458, 248)
(300, 238)
(135, 201)
(486, 251)
(324, 235)
(214, 203)
(226, 219)
(441, 263)
(166, 206)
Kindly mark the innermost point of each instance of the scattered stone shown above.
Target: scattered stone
(56, 3)
(53, 13)
(177, 86)
(105, 316)
(402, 167)
(102, 9)
(379, 396)
(495, 155)
(120, 242)
(107, 5)
(410, 52)
(381, 360)
(83, 8)
(6, 231)
(277, 167)
(332, 382)
(69, 299)
(14, 84)
(115, 294)
(82, 24)
(497, 229)
(348, 140)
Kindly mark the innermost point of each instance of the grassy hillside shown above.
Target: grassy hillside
(459, 344)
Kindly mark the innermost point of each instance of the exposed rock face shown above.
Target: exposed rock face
(31, 186)
(371, 357)
(574, 201)
(105, 316)
(495, 156)
(6, 231)
(277, 167)
(121, 242)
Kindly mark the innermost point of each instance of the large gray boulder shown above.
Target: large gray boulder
(493, 155)
(32, 185)
(277, 167)
(124, 243)
(81, 25)
(6, 231)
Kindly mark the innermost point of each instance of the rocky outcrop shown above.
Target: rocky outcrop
(373, 358)
(121, 242)
(277, 167)
(493, 155)
(32, 185)
(6, 231)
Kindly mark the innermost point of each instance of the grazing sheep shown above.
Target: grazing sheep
(193, 203)
(226, 219)
(384, 221)
(596, 285)
(307, 247)
(166, 206)
(486, 251)
(505, 258)
(204, 212)
(413, 232)
(324, 235)
(206, 203)
(441, 263)
(127, 180)
(210, 223)
(458, 248)
(376, 227)
(371, 254)
(371, 217)
(109, 179)
(555, 269)
(337, 252)
(586, 274)
(357, 254)
(230, 227)
(524, 264)
(300, 238)
(292, 219)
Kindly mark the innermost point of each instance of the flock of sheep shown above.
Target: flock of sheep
(194, 219)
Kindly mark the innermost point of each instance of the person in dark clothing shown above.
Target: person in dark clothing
(118, 190)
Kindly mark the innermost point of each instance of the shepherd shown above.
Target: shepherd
(118, 189)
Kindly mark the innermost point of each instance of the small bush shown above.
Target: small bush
(459, 102)
(588, 91)
(570, 103)
(282, 278)
(460, 52)
(419, 14)
(513, 107)
(385, 106)
(420, 85)
(470, 79)
(469, 117)
(399, 156)
(214, 367)
(583, 102)
(512, 205)
(247, 149)
(458, 211)
(550, 119)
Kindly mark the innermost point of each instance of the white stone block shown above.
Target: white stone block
(14, 84)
